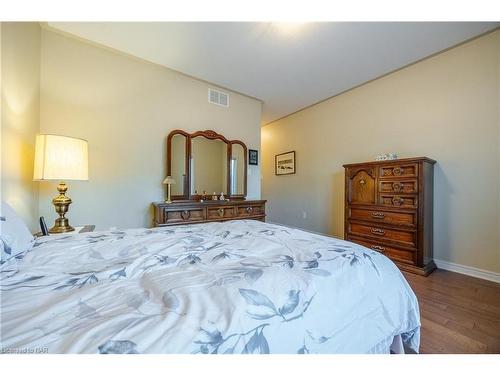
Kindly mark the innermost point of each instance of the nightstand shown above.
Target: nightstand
(79, 229)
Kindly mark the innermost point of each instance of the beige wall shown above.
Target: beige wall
(445, 107)
(20, 84)
(125, 108)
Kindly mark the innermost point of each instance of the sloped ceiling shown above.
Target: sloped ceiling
(287, 66)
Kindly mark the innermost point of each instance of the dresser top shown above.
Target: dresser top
(208, 202)
(394, 161)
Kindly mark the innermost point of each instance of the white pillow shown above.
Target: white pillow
(14, 234)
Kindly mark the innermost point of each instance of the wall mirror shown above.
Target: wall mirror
(208, 167)
(206, 161)
(238, 169)
(178, 171)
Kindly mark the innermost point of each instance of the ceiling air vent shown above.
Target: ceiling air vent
(218, 97)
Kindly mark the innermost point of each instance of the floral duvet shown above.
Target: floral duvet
(220, 288)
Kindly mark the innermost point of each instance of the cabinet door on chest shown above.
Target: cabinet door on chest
(361, 185)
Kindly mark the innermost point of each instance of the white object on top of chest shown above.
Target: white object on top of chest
(386, 156)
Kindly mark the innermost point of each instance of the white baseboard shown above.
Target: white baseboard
(467, 270)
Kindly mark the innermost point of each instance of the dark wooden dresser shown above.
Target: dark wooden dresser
(190, 212)
(389, 208)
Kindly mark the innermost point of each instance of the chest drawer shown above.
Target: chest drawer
(250, 210)
(398, 200)
(383, 216)
(398, 186)
(399, 170)
(222, 212)
(397, 254)
(401, 236)
(186, 215)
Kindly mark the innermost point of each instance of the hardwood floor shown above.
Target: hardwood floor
(459, 313)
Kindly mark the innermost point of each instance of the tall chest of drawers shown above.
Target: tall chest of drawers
(389, 208)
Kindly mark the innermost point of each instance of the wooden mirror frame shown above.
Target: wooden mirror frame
(209, 134)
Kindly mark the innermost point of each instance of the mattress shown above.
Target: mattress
(235, 287)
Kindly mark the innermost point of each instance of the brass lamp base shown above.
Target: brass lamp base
(61, 204)
(168, 200)
(61, 226)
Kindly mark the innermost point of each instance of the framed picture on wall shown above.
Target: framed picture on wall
(253, 157)
(285, 163)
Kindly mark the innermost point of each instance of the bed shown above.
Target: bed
(234, 287)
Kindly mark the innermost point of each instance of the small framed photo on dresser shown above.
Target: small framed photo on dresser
(253, 157)
(285, 163)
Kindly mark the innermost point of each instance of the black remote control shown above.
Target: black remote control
(43, 226)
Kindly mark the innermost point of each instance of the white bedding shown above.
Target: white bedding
(234, 287)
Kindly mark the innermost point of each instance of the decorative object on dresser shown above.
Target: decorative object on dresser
(284, 163)
(60, 158)
(206, 161)
(389, 208)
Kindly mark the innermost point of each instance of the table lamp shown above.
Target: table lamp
(168, 181)
(60, 158)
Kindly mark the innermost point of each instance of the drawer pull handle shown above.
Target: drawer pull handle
(397, 186)
(378, 232)
(397, 171)
(221, 212)
(378, 215)
(378, 248)
(185, 215)
(249, 210)
(397, 201)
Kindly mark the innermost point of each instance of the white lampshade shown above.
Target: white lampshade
(60, 158)
(169, 180)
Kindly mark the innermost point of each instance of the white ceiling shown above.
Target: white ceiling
(287, 66)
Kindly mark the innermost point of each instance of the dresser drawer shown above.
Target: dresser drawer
(383, 216)
(397, 254)
(220, 212)
(398, 186)
(250, 210)
(401, 236)
(399, 170)
(185, 215)
(398, 200)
